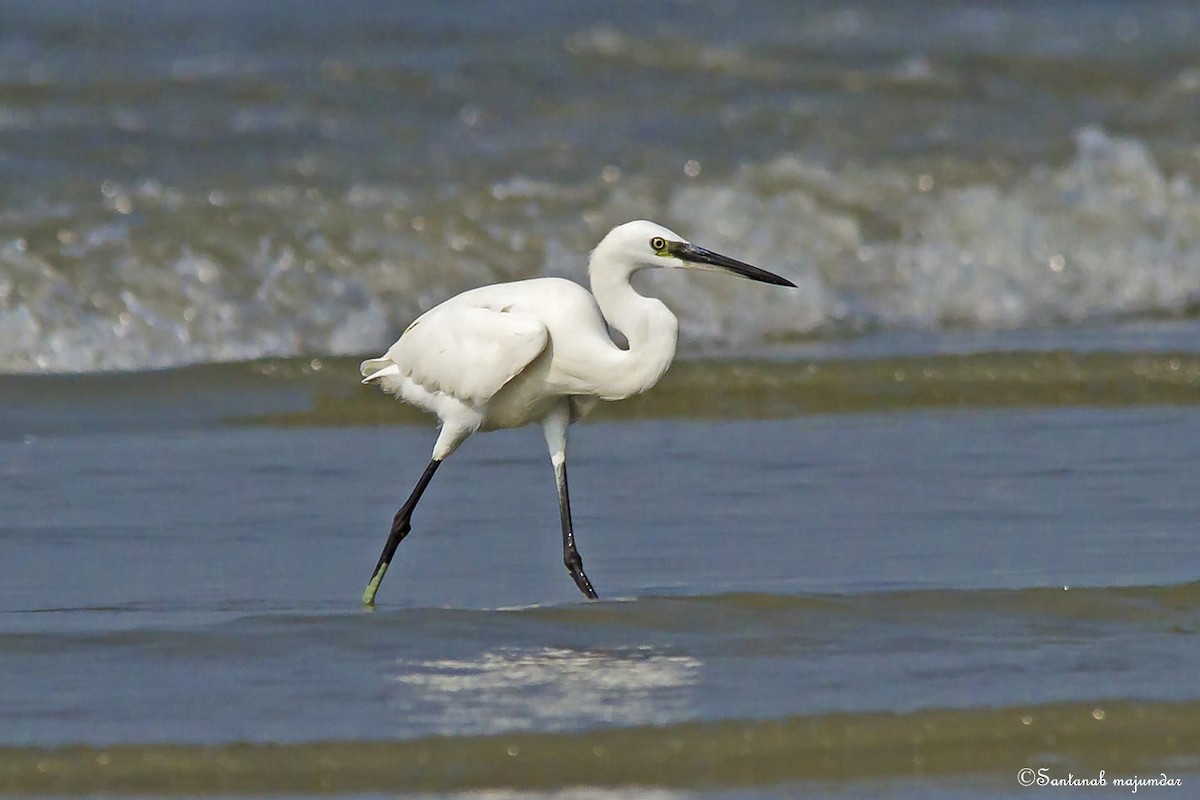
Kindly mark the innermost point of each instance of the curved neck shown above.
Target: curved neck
(647, 324)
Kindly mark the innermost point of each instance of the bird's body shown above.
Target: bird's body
(539, 350)
(517, 349)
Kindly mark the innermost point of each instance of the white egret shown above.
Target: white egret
(538, 350)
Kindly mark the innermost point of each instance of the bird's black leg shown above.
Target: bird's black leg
(400, 528)
(570, 553)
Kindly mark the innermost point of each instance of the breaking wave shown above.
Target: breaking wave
(149, 275)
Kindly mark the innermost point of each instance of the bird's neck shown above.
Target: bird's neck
(649, 326)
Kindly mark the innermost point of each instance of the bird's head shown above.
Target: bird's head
(646, 245)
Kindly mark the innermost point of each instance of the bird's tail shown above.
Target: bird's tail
(375, 369)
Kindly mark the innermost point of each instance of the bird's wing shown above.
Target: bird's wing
(468, 351)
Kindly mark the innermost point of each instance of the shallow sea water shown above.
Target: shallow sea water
(884, 597)
(183, 197)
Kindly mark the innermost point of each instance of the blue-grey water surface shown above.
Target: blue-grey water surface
(201, 586)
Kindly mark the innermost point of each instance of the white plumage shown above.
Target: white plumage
(458, 359)
(538, 350)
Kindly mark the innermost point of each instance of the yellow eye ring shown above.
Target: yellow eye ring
(658, 244)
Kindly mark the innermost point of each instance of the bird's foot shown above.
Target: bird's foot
(368, 598)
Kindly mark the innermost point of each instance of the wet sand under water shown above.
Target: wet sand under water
(325, 391)
(693, 756)
(991, 564)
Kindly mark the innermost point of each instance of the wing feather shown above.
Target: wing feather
(468, 351)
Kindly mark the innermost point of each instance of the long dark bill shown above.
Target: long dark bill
(698, 255)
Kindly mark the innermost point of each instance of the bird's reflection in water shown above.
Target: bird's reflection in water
(516, 689)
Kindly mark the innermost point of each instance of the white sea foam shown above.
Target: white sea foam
(149, 275)
(1108, 235)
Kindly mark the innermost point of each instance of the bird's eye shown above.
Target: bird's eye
(658, 244)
